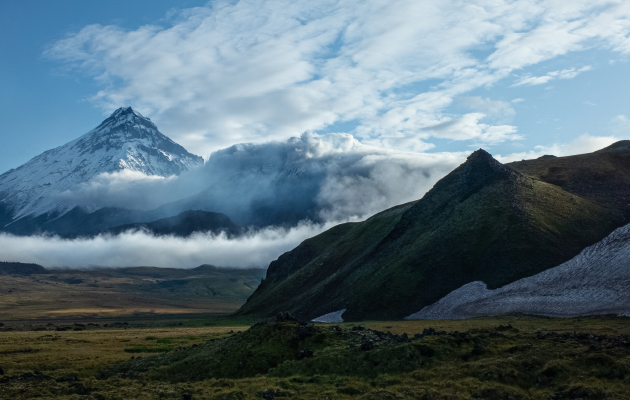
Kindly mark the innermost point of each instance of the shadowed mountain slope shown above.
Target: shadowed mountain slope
(484, 221)
(184, 224)
(18, 268)
(595, 282)
(602, 176)
(80, 223)
(74, 223)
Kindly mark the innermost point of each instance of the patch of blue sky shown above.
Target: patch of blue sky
(57, 101)
(340, 127)
(559, 110)
(411, 90)
(563, 109)
(334, 49)
(331, 51)
(482, 52)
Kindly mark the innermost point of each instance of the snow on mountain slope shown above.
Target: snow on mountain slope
(124, 141)
(595, 282)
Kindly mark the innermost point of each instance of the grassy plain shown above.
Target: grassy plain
(140, 291)
(509, 357)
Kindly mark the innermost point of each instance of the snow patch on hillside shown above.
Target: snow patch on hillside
(331, 318)
(595, 282)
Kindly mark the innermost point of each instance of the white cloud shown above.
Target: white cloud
(316, 177)
(468, 128)
(621, 125)
(139, 249)
(563, 74)
(582, 144)
(253, 71)
(533, 80)
(500, 110)
(118, 189)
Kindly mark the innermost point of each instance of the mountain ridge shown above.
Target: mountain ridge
(184, 225)
(484, 219)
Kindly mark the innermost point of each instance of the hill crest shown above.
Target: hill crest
(483, 221)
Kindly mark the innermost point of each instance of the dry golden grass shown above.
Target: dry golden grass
(83, 352)
(99, 295)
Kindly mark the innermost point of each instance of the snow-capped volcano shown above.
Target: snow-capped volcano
(124, 141)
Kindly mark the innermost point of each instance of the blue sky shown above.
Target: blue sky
(520, 79)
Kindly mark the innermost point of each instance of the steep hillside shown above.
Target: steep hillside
(484, 221)
(595, 282)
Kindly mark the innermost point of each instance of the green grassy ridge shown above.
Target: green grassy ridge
(502, 232)
(274, 348)
(490, 363)
(315, 275)
(602, 176)
(484, 221)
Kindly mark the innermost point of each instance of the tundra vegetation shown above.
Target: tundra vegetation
(509, 357)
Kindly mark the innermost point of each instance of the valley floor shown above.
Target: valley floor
(507, 357)
(140, 292)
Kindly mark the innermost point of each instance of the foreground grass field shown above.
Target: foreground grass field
(510, 357)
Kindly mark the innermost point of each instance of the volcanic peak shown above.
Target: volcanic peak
(124, 141)
(122, 111)
(127, 121)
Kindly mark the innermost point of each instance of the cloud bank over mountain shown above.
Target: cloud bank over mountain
(140, 249)
(319, 178)
(392, 95)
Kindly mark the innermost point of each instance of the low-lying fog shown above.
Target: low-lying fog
(141, 249)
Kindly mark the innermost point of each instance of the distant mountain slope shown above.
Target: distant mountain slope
(124, 141)
(18, 268)
(483, 221)
(74, 223)
(595, 282)
(133, 291)
(184, 224)
(260, 185)
(602, 176)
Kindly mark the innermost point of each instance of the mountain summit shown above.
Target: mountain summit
(124, 141)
